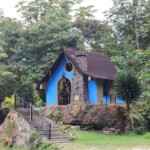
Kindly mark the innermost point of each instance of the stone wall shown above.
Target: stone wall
(97, 116)
(82, 62)
(15, 129)
(79, 89)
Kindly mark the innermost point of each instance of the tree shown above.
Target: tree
(96, 34)
(130, 21)
(9, 34)
(128, 87)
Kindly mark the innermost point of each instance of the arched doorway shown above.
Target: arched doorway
(64, 91)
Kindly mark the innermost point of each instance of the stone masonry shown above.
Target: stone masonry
(79, 88)
(16, 129)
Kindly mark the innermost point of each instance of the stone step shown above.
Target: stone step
(55, 135)
(47, 129)
(41, 124)
(60, 138)
(61, 141)
(52, 133)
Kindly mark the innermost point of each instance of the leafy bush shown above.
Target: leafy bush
(57, 116)
(8, 102)
(145, 112)
(48, 146)
(139, 123)
(141, 118)
(36, 143)
(70, 131)
(38, 100)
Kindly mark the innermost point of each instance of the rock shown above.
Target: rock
(75, 127)
(83, 127)
(106, 132)
(9, 141)
(110, 131)
(96, 116)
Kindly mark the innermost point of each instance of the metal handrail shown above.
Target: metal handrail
(28, 111)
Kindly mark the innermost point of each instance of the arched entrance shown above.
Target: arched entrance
(64, 91)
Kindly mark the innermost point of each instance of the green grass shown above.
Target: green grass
(3, 147)
(86, 140)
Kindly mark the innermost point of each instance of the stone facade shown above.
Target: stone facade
(15, 130)
(82, 62)
(79, 87)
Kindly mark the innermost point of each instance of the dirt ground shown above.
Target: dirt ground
(79, 147)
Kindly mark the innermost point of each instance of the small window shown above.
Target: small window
(69, 67)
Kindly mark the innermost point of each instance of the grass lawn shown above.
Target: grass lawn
(2, 147)
(96, 141)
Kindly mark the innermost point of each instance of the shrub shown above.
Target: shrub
(58, 116)
(48, 146)
(70, 131)
(35, 142)
(141, 118)
(38, 100)
(139, 123)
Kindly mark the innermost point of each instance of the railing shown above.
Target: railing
(33, 116)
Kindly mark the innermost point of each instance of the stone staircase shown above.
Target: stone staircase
(46, 127)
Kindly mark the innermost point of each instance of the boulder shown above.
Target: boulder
(107, 130)
(97, 116)
(75, 127)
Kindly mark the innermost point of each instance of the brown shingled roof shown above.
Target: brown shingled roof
(99, 65)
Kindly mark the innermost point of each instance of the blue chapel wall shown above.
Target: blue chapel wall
(51, 91)
(93, 94)
(93, 91)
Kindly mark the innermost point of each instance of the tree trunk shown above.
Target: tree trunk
(128, 106)
(136, 34)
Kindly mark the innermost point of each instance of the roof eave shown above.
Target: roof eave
(47, 74)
